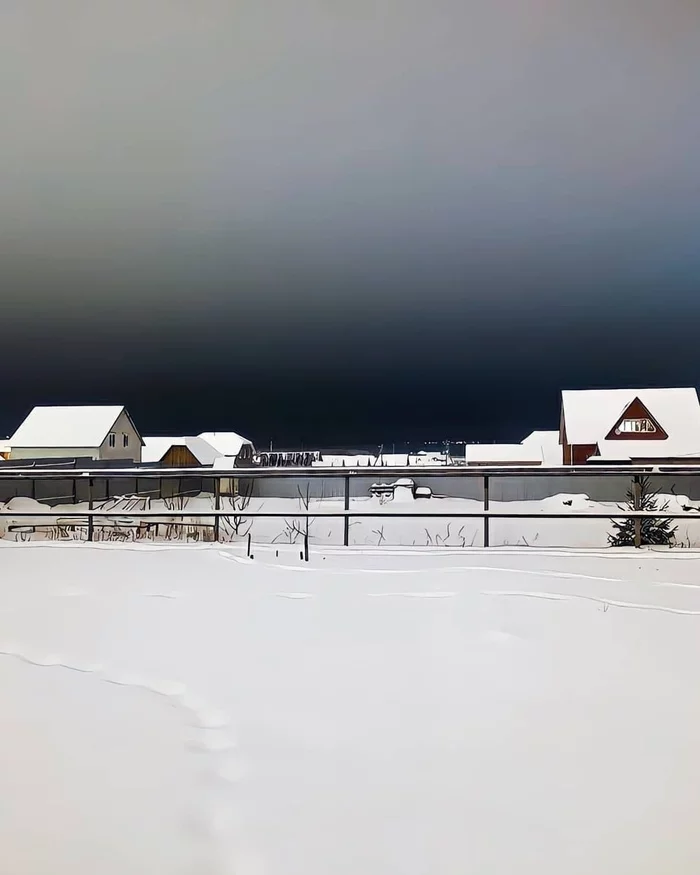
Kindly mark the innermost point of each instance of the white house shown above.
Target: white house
(630, 425)
(77, 432)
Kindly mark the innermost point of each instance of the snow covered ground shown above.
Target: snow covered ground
(186, 710)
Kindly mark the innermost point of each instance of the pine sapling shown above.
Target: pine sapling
(654, 531)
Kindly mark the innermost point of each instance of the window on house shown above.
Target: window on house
(126, 440)
(112, 439)
(636, 426)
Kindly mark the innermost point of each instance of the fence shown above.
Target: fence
(88, 481)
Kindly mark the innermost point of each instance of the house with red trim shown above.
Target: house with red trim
(630, 426)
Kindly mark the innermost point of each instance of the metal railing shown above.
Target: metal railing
(485, 474)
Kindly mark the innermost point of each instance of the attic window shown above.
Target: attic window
(636, 426)
(126, 440)
(112, 439)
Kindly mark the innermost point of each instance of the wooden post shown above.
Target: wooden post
(637, 506)
(91, 521)
(346, 505)
(486, 507)
(306, 544)
(217, 506)
(75, 490)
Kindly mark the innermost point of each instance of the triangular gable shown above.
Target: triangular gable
(131, 421)
(636, 423)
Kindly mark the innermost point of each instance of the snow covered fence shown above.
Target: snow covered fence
(349, 502)
(520, 487)
(75, 488)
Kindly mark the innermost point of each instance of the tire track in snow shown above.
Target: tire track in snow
(459, 569)
(412, 595)
(556, 575)
(560, 597)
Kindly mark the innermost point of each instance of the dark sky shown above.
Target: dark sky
(342, 223)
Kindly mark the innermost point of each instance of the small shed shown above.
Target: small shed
(402, 490)
(179, 452)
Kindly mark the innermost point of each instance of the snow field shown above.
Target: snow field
(185, 709)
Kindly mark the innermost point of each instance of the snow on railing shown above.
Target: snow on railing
(174, 516)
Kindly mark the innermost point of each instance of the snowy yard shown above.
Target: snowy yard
(380, 530)
(185, 710)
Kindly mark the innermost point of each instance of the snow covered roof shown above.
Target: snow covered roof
(548, 442)
(202, 450)
(494, 454)
(226, 443)
(66, 427)
(590, 415)
(155, 448)
(401, 482)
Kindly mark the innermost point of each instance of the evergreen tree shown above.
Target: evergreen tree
(654, 531)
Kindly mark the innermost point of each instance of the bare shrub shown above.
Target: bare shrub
(299, 528)
(237, 525)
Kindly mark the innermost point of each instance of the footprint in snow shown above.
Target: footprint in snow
(212, 743)
(169, 689)
(231, 771)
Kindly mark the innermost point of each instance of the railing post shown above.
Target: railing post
(637, 506)
(217, 506)
(91, 519)
(346, 505)
(486, 507)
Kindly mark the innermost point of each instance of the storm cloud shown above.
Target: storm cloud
(347, 222)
